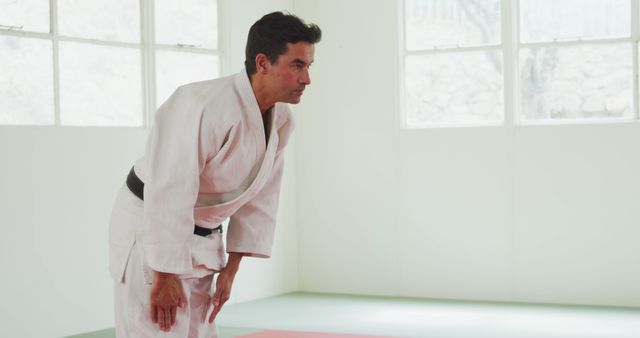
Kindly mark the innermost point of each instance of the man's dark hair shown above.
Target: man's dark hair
(270, 36)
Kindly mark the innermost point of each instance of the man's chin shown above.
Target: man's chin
(293, 100)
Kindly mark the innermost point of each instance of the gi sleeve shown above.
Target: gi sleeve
(252, 227)
(175, 158)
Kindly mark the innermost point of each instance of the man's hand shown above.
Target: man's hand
(166, 296)
(224, 283)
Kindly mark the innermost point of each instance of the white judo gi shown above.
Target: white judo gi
(207, 159)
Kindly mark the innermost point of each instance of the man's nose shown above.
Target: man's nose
(305, 78)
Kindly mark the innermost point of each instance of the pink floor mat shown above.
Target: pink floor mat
(292, 334)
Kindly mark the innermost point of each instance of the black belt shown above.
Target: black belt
(135, 184)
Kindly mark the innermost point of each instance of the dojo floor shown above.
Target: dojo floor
(306, 315)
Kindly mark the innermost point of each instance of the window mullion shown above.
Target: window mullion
(194, 50)
(635, 35)
(25, 34)
(97, 42)
(402, 65)
(148, 60)
(561, 43)
(223, 39)
(452, 50)
(53, 23)
(510, 64)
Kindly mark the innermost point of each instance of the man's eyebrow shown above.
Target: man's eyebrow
(299, 61)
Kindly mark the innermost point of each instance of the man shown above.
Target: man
(215, 152)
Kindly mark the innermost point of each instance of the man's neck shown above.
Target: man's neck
(265, 102)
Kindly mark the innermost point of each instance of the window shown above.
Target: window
(101, 63)
(453, 62)
(564, 60)
(186, 42)
(575, 60)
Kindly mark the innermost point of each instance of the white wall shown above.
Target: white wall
(57, 186)
(345, 133)
(535, 214)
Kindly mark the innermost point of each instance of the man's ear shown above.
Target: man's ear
(262, 63)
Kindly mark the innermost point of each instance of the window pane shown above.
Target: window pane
(546, 20)
(25, 15)
(113, 20)
(178, 68)
(26, 84)
(577, 82)
(451, 23)
(100, 85)
(187, 22)
(454, 88)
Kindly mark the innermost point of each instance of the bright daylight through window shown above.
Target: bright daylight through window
(107, 63)
(571, 60)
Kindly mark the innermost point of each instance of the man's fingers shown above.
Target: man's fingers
(224, 297)
(181, 296)
(161, 319)
(153, 313)
(218, 303)
(216, 309)
(215, 299)
(167, 319)
(172, 311)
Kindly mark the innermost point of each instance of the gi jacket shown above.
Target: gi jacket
(206, 160)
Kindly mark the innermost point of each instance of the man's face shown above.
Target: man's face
(289, 75)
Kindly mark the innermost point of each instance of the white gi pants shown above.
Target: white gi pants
(132, 291)
(132, 308)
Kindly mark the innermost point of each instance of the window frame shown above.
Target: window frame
(511, 46)
(147, 47)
